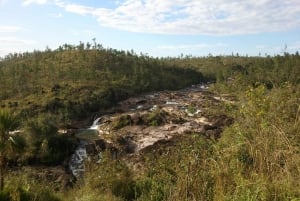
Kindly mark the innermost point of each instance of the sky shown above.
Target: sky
(158, 28)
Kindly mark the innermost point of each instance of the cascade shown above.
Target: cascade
(76, 163)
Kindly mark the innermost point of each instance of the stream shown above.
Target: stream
(178, 112)
(76, 163)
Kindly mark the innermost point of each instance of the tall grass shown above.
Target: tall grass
(257, 158)
(261, 151)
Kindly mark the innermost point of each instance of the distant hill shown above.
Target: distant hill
(73, 82)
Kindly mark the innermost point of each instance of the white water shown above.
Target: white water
(171, 103)
(76, 163)
(95, 124)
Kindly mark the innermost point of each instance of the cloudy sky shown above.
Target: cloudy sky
(154, 27)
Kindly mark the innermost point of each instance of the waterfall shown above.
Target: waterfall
(76, 163)
(95, 124)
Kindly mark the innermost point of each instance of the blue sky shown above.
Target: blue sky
(154, 27)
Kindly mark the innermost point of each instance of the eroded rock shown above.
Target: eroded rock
(155, 119)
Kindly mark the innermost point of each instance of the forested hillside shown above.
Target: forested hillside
(74, 82)
(255, 158)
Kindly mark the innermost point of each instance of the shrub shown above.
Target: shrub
(121, 122)
(4, 196)
(156, 117)
(125, 188)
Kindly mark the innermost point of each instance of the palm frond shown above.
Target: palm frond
(8, 122)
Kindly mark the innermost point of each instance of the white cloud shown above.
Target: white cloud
(9, 29)
(192, 17)
(78, 9)
(28, 2)
(13, 44)
(12, 41)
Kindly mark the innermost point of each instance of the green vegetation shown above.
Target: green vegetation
(191, 109)
(257, 158)
(121, 122)
(75, 82)
(156, 117)
(44, 144)
(9, 143)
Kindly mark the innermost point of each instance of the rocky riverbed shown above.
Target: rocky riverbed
(139, 126)
(140, 123)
